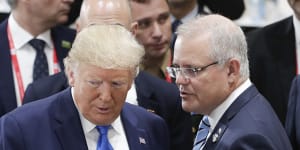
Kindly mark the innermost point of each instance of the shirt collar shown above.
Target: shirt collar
(21, 37)
(218, 112)
(88, 126)
(191, 15)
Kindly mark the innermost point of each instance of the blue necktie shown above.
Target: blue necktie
(40, 67)
(202, 134)
(103, 143)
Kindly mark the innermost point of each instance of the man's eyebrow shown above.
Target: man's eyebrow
(91, 24)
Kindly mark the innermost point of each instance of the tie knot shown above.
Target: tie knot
(205, 123)
(37, 44)
(175, 24)
(102, 129)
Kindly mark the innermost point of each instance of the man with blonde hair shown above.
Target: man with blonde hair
(147, 91)
(100, 75)
(212, 72)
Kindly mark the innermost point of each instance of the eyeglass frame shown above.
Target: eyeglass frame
(173, 71)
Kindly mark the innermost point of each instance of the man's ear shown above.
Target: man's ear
(134, 28)
(233, 70)
(71, 77)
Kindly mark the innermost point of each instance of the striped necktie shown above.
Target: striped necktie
(202, 134)
(103, 143)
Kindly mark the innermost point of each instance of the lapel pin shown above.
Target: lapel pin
(215, 137)
(142, 140)
(151, 110)
(65, 44)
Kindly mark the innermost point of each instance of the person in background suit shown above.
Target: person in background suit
(147, 91)
(154, 32)
(100, 75)
(185, 10)
(33, 20)
(273, 54)
(292, 122)
(211, 69)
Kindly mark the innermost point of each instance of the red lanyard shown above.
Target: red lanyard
(16, 66)
(168, 77)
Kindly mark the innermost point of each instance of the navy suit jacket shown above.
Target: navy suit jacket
(249, 123)
(7, 88)
(54, 124)
(292, 123)
(153, 94)
(272, 59)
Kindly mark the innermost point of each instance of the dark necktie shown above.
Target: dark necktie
(202, 133)
(103, 143)
(40, 67)
(175, 24)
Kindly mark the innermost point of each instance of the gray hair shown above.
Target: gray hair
(107, 47)
(227, 40)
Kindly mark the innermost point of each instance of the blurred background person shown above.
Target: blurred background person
(274, 55)
(33, 46)
(154, 33)
(185, 10)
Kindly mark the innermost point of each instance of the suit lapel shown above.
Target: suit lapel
(7, 89)
(67, 124)
(137, 138)
(145, 95)
(62, 43)
(222, 125)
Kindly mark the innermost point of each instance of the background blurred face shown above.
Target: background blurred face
(209, 88)
(154, 26)
(105, 12)
(100, 93)
(52, 11)
(295, 5)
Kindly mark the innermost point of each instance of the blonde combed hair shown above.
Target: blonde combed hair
(107, 47)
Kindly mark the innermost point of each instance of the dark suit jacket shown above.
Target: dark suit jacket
(249, 123)
(232, 9)
(272, 58)
(153, 94)
(54, 124)
(292, 122)
(7, 89)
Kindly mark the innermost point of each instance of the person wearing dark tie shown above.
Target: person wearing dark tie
(186, 10)
(147, 91)
(92, 113)
(32, 46)
(210, 66)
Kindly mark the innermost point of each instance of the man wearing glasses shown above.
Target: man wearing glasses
(211, 70)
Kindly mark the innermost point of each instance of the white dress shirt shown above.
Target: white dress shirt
(191, 15)
(26, 54)
(218, 112)
(116, 134)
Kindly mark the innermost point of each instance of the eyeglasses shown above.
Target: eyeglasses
(187, 72)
